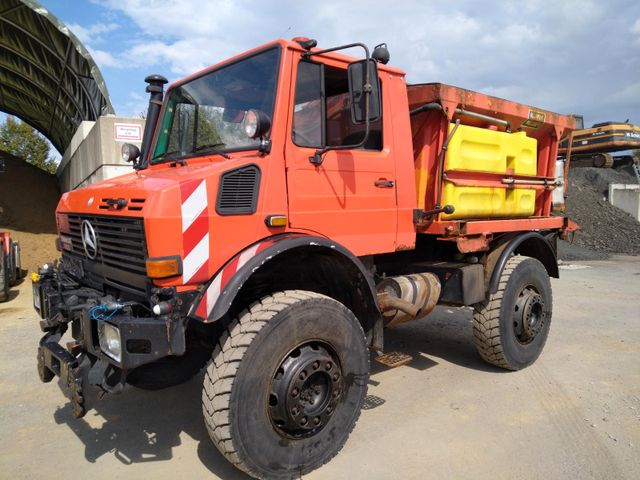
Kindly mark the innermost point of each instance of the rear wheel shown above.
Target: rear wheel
(4, 275)
(286, 384)
(511, 328)
(11, 267)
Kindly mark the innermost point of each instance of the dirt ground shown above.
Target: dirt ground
(28, 199)
(574, 414)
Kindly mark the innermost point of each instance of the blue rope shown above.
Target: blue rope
(99, 313)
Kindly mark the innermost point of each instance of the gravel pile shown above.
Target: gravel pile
(605, 229)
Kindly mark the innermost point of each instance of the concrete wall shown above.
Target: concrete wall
(94, 151)
(626, 197)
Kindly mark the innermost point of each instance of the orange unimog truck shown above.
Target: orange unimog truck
(288, 204)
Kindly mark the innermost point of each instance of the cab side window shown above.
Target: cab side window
(307, 110)
(322, 110)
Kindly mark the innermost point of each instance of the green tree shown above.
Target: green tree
(636, 156)
(23, 141)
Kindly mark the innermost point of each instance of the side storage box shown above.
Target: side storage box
(481, 150)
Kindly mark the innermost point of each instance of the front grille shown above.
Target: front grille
(121, 241)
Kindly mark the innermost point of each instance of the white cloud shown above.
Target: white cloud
(566, 56)
(104, 58)
(135, 105)
(635, 29)
(93, 33)
(183, 56)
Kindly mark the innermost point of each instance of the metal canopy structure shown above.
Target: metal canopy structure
(47, 77)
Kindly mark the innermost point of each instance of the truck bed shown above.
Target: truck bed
(500, 162)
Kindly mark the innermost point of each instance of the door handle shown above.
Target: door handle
(384, 183)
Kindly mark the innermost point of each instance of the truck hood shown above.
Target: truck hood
(142, 189)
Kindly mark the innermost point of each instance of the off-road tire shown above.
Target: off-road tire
(170, 371)
(11, 259)
(493, 325)
(4, 275)
(240, 376)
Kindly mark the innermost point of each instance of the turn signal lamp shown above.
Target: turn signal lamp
(164, 267)
(276, 221)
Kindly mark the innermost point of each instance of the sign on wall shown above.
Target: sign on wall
(128, 132)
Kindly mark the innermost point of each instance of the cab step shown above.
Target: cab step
(393, 359)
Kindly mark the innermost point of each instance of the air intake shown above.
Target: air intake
(238, 191)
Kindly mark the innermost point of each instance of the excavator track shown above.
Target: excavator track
(598, 160)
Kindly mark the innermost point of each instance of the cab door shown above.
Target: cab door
(351, 196)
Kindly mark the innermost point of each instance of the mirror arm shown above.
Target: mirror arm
(308, 54)
(318, 157)
(265, 146)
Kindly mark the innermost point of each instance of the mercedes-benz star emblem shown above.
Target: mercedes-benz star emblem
(89, 240)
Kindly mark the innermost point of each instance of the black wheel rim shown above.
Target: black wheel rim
(529, 316)
(305, 390)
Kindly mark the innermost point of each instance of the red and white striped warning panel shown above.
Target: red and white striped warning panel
(195, 231)
(221, 280)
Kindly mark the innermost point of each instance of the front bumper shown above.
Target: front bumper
(92, 359)
(143, 337)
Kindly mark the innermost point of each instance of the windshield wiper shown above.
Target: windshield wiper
(213, 148)
(166, 156)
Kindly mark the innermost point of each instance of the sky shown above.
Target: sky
(562, 55)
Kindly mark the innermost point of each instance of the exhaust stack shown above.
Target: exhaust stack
(156, 91)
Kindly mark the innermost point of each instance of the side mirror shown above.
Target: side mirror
(356, 73)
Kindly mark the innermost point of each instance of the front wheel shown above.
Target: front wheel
(511, 328)
(286, 384)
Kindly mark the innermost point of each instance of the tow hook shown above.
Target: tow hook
(54, 360)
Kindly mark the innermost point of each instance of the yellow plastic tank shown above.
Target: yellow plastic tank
(482, 150)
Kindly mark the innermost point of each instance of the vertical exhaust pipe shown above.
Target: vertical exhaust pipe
(155, 89)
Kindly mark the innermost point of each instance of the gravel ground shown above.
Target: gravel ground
(575, 414)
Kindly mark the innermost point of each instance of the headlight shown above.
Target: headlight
(251, 124)
(256, 123)
(110, 340)
(129, 152)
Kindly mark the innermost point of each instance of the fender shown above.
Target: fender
(216, 299)
(532, 244)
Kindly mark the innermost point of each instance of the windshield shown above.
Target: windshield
(205, 115)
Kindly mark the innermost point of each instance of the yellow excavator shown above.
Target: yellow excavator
(592, 147)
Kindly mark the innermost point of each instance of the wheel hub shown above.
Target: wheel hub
(529, 315)
(305, 390)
